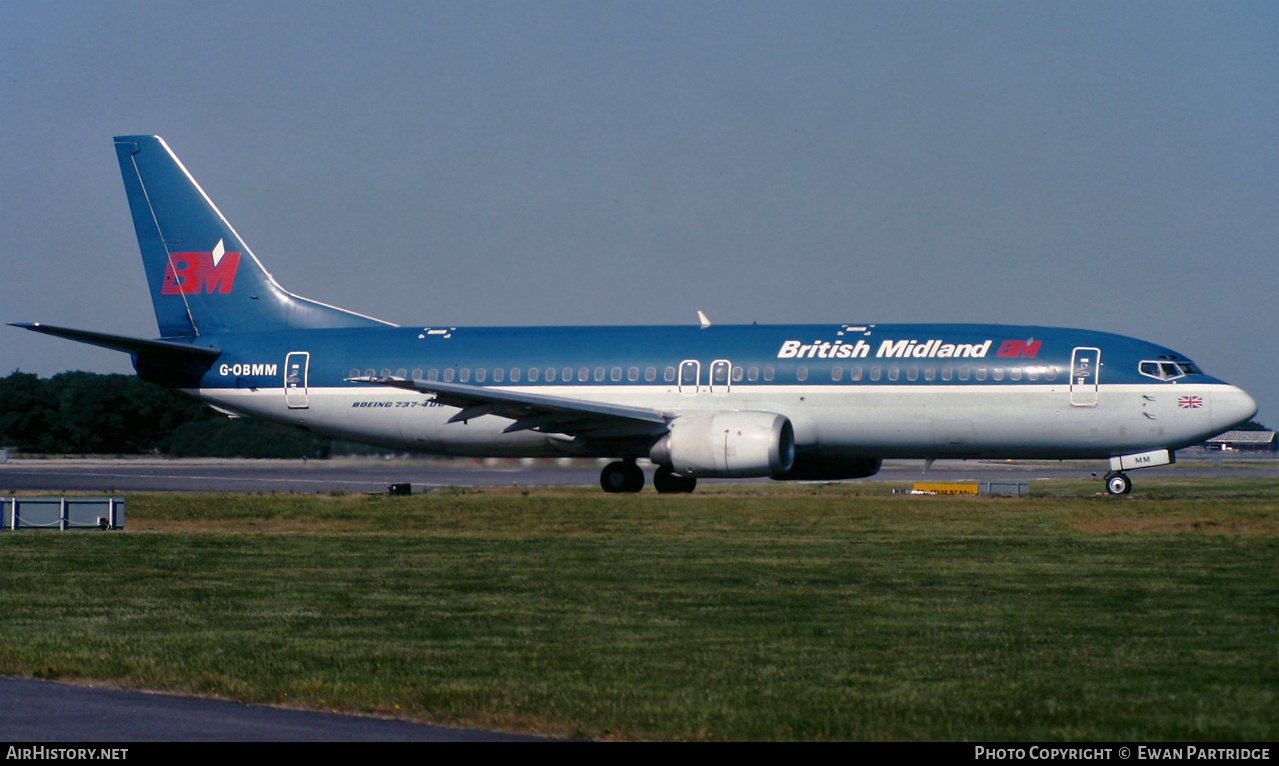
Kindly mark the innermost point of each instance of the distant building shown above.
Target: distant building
(1244, 441)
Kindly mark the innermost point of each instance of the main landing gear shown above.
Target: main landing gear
(625, 476)
(622, 476)
(1118, 483)
(667, 481)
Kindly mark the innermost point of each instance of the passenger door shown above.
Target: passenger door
(1085, 369)
(296, 366)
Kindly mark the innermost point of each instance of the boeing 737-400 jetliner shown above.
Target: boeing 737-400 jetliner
(819, 402)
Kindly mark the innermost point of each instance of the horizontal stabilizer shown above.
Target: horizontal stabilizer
(124, 343)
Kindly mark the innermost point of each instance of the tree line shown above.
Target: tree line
(90, 413)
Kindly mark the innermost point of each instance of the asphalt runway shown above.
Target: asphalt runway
(280, 476)
(425, 474)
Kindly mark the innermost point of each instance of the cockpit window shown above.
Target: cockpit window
(1168, 370)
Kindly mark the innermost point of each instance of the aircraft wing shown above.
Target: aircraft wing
(537, 412)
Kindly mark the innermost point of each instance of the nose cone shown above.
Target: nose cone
(1232, 406)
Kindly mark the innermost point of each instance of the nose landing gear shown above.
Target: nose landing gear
(1118, 483)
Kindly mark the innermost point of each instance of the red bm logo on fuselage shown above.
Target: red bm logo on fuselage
(1014, 348)
(193, 273)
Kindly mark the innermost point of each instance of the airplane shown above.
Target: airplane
(790, 402)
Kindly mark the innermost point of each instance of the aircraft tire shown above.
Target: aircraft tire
(1118, 483)
(667, 482)
(622, 476)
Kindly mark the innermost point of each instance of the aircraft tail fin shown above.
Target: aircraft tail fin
(203, 278)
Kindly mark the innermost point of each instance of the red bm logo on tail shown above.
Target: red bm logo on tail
(193, 273)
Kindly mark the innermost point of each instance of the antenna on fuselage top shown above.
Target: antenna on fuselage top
(701, 317)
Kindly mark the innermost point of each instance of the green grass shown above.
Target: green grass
(739, 612)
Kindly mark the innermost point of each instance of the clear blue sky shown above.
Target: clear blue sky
(1105, 165)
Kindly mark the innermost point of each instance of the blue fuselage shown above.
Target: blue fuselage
(875, 391)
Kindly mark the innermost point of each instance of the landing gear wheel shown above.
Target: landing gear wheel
(622, 476)
(1118, 483)
(668, 482)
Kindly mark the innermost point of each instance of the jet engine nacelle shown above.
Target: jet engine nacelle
(728, 445)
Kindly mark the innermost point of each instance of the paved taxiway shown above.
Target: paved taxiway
(44, 712)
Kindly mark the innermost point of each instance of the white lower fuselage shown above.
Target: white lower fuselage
(882, 421)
